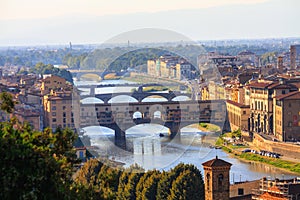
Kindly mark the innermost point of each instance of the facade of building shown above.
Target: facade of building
(52, 82)
(171, 67)
(238, 115)
(60, 110)
(262, 93)
(287, 116)
(216, 175)
(295, 56)
(277, 189)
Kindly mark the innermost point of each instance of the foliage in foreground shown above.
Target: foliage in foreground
(35, 165)
(42, 165)
(182, 182)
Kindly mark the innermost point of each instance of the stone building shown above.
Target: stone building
(61, 110)
(238, 115)
(168, 66)
(295, 56)
(287, 116)
(262, 93)
(216, 175)
(52, 82)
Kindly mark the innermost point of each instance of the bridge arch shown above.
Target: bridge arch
(154, 98)
(181, 98)
(91, 100)
(122, 99)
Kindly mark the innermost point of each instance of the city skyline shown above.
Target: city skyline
(61, 22)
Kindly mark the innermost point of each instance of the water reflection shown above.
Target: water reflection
(144, 146)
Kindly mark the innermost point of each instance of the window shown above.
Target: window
(53, 107)
(64, 107)
(53, 119)
(290, 105)
(244, 112)
(208, 180)
(64, 120)
(220, 181)
(240, 191)
(64, 114)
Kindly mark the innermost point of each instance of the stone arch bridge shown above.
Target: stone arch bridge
(173, 115)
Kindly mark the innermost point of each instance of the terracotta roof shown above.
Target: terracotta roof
(259, 85)
(290, 94)
(268, 196)
(238, 104)
(281, 86)
(216, 163)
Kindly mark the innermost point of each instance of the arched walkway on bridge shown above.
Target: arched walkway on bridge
(181, 98)
(122, 99)
(91, 100)
(154, 98)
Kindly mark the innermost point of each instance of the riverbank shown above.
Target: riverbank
(236, 151)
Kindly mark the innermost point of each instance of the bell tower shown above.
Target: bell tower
(216, 176)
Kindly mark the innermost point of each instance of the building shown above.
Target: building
(238, 115)
(295, 56)
(277, 190)
(287, 116)
(30, 115)
(243, 190)
(174, 67)
(216, 175)
(52, 82)
(262, 93)
(61, 110)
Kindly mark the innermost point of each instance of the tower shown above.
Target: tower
(216, 175)
(280, 62)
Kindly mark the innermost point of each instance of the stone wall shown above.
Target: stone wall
(286, 149)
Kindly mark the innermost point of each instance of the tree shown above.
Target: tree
(188, 185)
(6, 102)
(34, 165)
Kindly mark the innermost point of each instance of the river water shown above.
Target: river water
(147, 148)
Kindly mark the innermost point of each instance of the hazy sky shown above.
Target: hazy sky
(94, 21)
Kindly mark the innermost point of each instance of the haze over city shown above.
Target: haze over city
(59, 22)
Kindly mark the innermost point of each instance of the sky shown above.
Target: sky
(94, 21)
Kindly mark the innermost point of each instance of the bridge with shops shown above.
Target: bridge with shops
(172, 114)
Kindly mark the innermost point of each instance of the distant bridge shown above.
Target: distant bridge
(173, 115)
(79, 73)
(138, 95)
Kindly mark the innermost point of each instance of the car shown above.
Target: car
(246, 151)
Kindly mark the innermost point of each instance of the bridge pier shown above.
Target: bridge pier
(120, 139)
(174, 129)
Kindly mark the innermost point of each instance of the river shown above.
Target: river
(145, 147)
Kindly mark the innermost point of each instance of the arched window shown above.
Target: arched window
(220, 181)
(208, 180)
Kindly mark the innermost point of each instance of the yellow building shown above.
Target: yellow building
(53, 82)
(287, 116)
(261, 103)
(168, 66)
(238, 115)
(61, 110)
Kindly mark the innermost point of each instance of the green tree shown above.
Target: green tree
(34, 164)
(187, 186)
(6, 102)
